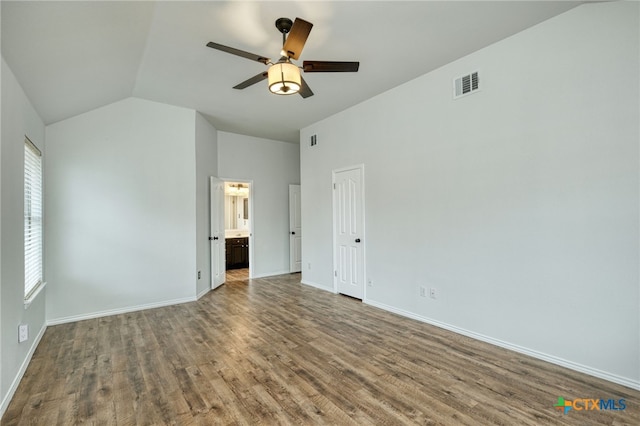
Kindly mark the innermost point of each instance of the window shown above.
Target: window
(32, 218)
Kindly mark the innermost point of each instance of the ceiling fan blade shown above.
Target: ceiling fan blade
(297, 38)
(238, 52)
(251, 81)
(305, 90)
(330, 66)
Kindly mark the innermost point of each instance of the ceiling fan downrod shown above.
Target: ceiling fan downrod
(284, 26)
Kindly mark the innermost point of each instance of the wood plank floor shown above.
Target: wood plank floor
(272, 351)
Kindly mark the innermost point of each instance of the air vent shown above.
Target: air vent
(466, 85)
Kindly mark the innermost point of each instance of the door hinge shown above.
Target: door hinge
(335, 273)
(334, 186)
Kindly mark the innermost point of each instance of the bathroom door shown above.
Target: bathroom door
(216, 238)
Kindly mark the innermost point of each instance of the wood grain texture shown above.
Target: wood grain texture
(272, 351)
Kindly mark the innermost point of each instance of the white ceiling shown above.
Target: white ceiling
(72, 57)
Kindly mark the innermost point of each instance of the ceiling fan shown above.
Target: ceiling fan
(284, 76)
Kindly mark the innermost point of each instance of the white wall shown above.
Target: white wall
(121, 210)
(2, 394)
(524, 195)
(19, 119)
(2, 67)
(271, 166)
(206, 165)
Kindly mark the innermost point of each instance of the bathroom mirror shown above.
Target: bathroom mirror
(236, 212)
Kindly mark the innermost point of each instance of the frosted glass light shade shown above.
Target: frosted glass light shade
(284, 78)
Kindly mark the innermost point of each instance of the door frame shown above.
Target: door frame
(249, 182)
(334, 172)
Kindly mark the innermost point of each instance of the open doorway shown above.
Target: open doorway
(238, 223)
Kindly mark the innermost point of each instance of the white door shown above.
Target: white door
(295, 230)
(216, 188)
(348, 213)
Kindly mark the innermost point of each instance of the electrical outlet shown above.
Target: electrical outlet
(423, 291)
(370, 283)
(433, 293)
(23, 333)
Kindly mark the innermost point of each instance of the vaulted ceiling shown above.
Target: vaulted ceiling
(72, 57)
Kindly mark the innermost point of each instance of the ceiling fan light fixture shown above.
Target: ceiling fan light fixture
(284, 78)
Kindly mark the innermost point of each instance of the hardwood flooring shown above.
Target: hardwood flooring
(237, 274)
(272, 351)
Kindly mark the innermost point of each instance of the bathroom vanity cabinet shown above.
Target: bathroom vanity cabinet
(237, 252)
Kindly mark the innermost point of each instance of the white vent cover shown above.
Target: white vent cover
(466, 84)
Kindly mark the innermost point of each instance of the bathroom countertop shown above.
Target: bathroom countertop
(236, 233)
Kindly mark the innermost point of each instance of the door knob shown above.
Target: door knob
(357, 240)
(213, 238)
(293, 233)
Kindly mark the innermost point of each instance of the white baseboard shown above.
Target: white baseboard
(21, 371)
(109, 312)
(321, 287)
(202, 293)
(633, 384)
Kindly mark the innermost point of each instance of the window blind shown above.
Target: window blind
(32, 218)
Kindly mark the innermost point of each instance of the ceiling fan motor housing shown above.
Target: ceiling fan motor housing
(284, 25)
